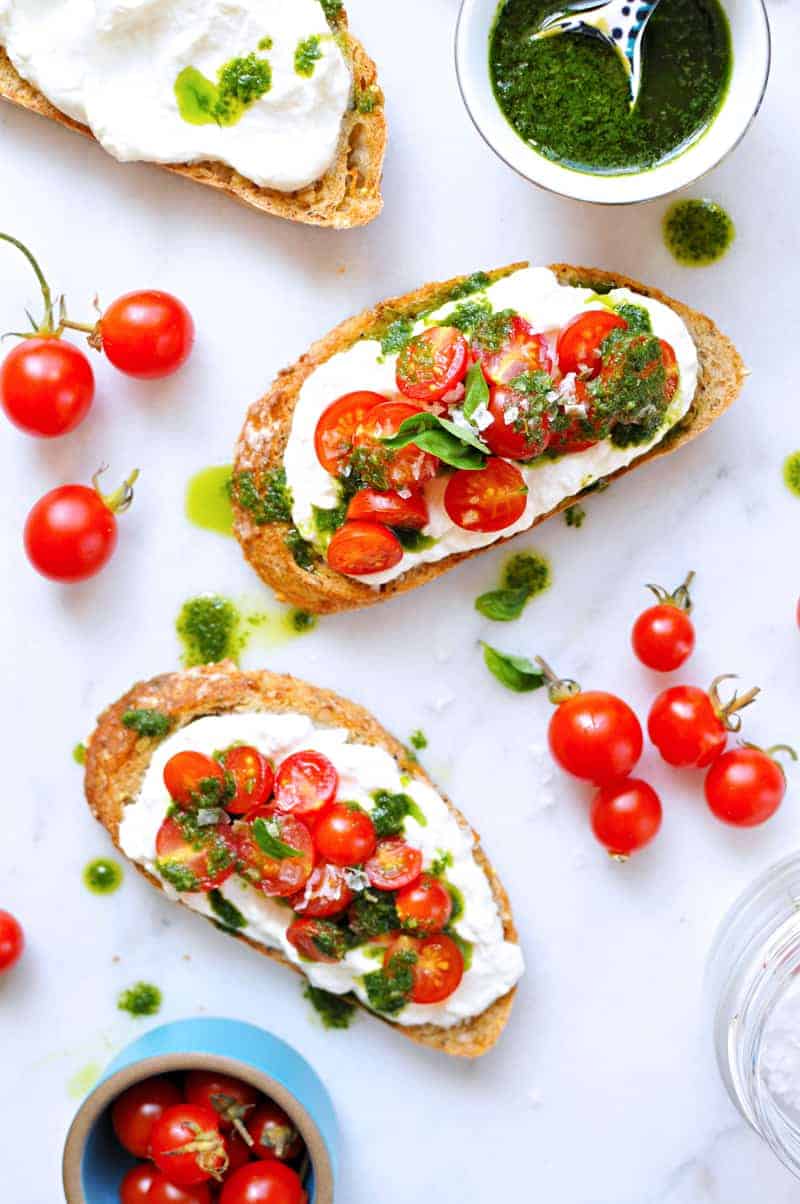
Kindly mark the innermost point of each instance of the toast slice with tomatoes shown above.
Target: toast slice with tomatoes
(263, 439)
(349, 194)
(117, 760)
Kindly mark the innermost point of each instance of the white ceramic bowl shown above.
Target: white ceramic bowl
(751, 58)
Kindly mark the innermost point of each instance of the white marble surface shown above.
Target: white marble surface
(603, 1090)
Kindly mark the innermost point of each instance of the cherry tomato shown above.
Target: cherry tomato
(425, 906)
(274, 1134)
(376, 506)
(345, 835)
(253, 776)
(277, 874)
(336, 429)
(205, 863)
(578, 346)
(326, 893)
(406, 468)
(359, 549)
(230, 1098)
(135, 1112)
(186, 772)
(522, 351)
(663, 636)
(46, 386)
(164, 1192)
(394, 864)
(489, 499)
(305, 783)
(438, 969)
(71, 532)
(745, 786)
(264, 1183)
(237, 1150)
(317, 940)
(12, 941)
(186, 1144)
(148, 334)
(690, 726)
(670, 368)
(618, 363)
(514, 432)
(595, 736)
(583, 430)
(625, 816)
(432, 363)
(136, 1185)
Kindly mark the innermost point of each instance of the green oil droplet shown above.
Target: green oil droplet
(791, 473)
(697, 232)
(102, 876)
(83, 1080)
(208, 499)
(79, 754)
(213, 628)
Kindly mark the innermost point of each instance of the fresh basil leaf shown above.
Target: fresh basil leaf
(265, 833)
(515, 672)
(464, 433)
(453, 444)
(503, 605)
(477, 391)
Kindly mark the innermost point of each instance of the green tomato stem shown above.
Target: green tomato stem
(47, 326)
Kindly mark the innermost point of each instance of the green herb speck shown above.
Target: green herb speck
(142, 999)
(102, 876)
(335, 1011)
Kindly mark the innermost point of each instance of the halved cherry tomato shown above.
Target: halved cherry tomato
(438, 969)
(185, 774)
(230, 1098)
(670, 368)
(305, 783)
(489, 499)
(274, 1134)
(625, 816)
(578, 346)
(385, 506)
(134, 1113)
(135, 1186)
(618, 363)
(186, 1145)
(164, 1192)
(268, 1182)
(393, 864)
(205, 862)
(408, 468)
(432, 363)
(253, 776)
(283, 872)
(326, 893)
(359, 549)
(317, 940)
(345, 835)
(522, 351)
(425, 906)
(583, 429)
(595, 736)
(333, 438)
(514, 432)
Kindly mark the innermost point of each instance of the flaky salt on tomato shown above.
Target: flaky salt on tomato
(437, 968)
(432, 363)
(317, 940)
(393, 864)
(578, 346)
(336, 428)
(385, 468)
(521, 351)
(409, 512)
(359, 549)
(326, 893)
(252, 777)
(581, 428)
(489, 499)
(305, 783)
(425, 906)
(276, 851)
(516, 431)
(201, 859)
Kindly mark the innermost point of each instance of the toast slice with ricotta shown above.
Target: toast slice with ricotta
(349, 194)
(261, 447)
(118, 759)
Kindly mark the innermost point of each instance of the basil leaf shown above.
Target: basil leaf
(477, 393)
(453, 444)
(502, 605)
(270, 843)
(515, 672)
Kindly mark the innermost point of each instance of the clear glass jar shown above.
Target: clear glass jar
(754, 981)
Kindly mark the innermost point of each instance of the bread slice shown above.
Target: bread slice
(349, 194)
(266, 430)
(117, 760)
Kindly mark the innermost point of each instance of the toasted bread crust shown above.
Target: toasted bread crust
(349, 194)
(263, 439)
(117, 760)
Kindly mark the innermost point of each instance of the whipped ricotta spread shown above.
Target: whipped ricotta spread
(496, 964)
(537, 296)
(114, 65)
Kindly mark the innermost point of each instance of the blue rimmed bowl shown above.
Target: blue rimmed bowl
(95, 1163)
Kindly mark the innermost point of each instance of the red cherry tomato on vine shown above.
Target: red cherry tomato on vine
(135, 1187)
(253, 777)
(345, 835)
(135, 1112)
(394, 864)
(745, 786)
(390, 508)
(46, 386)
(305, 783)
(148, 334)
(578, 346)
(12, 940)
(230, 1098)
(337, 426)
(521, 351)
(626, 816)
(663, 636)
(185, 773)
(71, 532)
(237, 1150)
(690, 726)
(425, 906)
(487, 499)
(274, 1134)
(186, 1144)
(327, 893)
(264, 1183)
(359, 549)
(595, 736)
(284, 865)
(432, 363)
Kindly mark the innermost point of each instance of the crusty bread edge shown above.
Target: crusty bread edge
(117, 760)
(266, 429)
(348, 195)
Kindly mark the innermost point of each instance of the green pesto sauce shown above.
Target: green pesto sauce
(574, 516)
(210, 629)
(568, 95)
(142, 999)
(524, 576)
(697, 232)
(79, 754)
(227, 913)
(240, 83)
(102, 876)
(208, 499)
(791, 473)
(335, 1011)
(307, 55)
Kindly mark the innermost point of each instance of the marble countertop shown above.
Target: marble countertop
(603, 1089)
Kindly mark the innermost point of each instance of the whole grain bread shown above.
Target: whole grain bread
(117, 759)
(266, 430)
(349, 194)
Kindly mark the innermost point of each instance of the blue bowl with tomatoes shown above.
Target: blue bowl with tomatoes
(204, 1111)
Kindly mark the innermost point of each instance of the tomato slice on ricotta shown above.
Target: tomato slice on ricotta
(201, 861)
(489, 499)
(432, 363)
(515, 431)
(521, 351)
(359, 549)
(317, 940)
(333, 438)
(394, 864)
(188, 776)
(384, 468)
(409, 513)
(252, 777)
(425, 906)
(437, 965)
(578, 346)
(326, 893)
(276, 851)
(305, 783)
